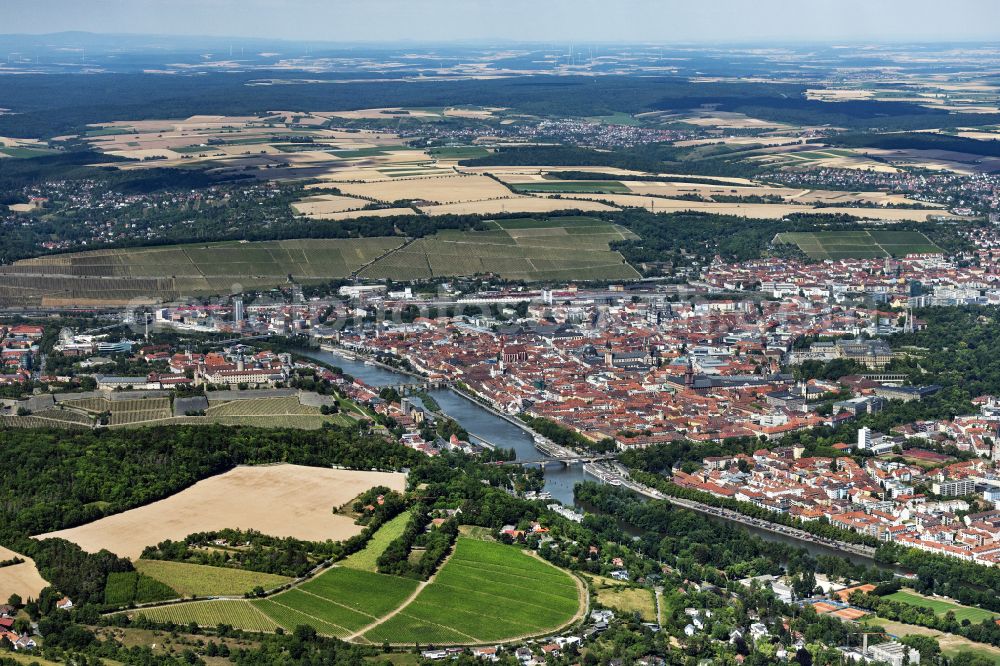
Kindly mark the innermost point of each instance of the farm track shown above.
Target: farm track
(357, 271)
(406, 602)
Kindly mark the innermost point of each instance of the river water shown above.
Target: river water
(480, 422)
(559, 479)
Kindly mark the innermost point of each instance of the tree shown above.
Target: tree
(14, 600)
(928, 647)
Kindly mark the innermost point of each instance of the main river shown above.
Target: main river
(559, 479)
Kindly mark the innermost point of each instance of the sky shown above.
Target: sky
(552, 21)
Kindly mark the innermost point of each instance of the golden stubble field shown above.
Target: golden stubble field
(22, 579)
(279, 500)
(438, 189)
(756, 210)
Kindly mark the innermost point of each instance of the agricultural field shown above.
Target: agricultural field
(459, 152)
(22, 579)
(349, 598)
(285, 406)
(516, 203)
(942, 606)
(528, 248)
(168, 272)
(132, 587)
(365, 559)
(243, 498)
(858, 244)
(139, 410)
(41, 420)
(486, 592)
(191, 580)
(236, 613)
(763, 211)
(453, 188)
(299, 421)
(593, 186)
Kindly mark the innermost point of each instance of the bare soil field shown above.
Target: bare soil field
(280, 500)
(443, 189)
(22, 579)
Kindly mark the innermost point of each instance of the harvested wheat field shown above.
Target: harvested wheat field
(22, 579)
(375, 212)
(441, 189)
(280, 500)
(758, 211)
(514, 205)
(322, 205)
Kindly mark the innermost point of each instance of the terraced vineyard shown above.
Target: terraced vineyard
(139, 410)
(526, 249)
(33, 421)
(93, 405)
(169, 272)
(263, 407)
(303, 422)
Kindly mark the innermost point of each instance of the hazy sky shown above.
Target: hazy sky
(527, 20)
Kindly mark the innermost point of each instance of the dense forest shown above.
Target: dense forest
(917, 141)
(51, 105)
(68, 478)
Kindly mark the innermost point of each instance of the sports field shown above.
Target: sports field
(485, 592)
(942, 606)
(199, 580)
(574, 248)
(874, 244)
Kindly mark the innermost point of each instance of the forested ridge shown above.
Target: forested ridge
(56, 104)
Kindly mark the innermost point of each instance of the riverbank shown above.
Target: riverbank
(461, 390)
(340, 351)
(484, 421)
